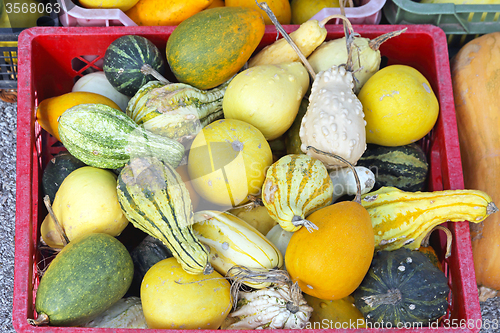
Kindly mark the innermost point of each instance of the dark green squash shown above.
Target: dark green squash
(404, 167)
(58, 168)
(124, 59)
(149, 251)
(292, 138)
(87, 277)
(402, 286)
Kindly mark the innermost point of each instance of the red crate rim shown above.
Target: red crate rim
(25, 153)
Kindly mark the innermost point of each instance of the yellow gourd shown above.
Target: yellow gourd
(174, 299)
(86, 202)
(400, 106)
(280, 8)
(227, 162)
(403, 219)
(341, 313)
(166, 12)
(267, 96)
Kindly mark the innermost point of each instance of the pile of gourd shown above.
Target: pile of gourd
(239, 178)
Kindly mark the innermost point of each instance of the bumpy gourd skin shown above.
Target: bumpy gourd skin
(334, 121)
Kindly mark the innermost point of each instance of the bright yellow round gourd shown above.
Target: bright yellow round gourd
(400, 106)
(124, 5)
(280, 8)
(227, 162)
(86, 202)
(303, 10)
(174, 299)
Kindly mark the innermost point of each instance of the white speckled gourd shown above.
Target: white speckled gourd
(334, 121)
(272, 308)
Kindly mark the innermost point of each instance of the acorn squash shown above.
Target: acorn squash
(402, 286)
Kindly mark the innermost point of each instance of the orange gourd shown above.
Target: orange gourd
(331, 262)
(476, 90)
(280, 8)
(165, 12)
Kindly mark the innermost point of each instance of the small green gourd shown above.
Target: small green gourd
(103, 137)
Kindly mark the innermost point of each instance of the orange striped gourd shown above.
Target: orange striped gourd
(295, 186)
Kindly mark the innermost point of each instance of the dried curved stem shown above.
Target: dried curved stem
(375, 43)
(59, 228)
(42, 319)
(148, 70)
(357, 198)
(449, 239)
(264, 6)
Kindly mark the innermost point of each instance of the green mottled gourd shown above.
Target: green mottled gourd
(155, 200)
(176, 110)
(402, 286)
(103, 137)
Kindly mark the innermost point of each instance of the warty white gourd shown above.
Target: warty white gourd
(334, 121)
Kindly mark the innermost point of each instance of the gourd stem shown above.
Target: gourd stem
(299, 221)
(264, 6)
(392, 297)
(449, 239)
(242, 274)
(375, 43)
(59, 228)
(295, 295)
(491, 208)
(146, 69)
(357, 198)
(324, 21)
(42, 319)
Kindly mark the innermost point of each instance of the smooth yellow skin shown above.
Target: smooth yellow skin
(124, 5)
(340, 312)
(85, 203)
(303, 10)
(267, 96)
(257, 217)
(399, 106)
(170, 299)
(227, 162)
(280, 8)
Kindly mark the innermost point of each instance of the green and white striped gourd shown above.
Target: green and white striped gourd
(295, 186)
(176, 110)
(103, 137)
(155, 200)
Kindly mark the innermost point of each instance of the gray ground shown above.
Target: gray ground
(490, 309)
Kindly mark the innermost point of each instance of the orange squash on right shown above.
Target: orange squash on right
(476, 89)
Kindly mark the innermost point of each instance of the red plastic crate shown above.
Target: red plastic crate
(51, 58)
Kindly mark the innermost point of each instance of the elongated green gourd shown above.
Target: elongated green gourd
(103, 137)
(155, 200)
(176, 110)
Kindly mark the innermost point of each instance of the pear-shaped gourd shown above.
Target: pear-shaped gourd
(295, 186)
(267, 96)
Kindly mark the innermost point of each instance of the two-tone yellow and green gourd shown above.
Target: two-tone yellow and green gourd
(295, 186)
(234, 242)
(154, 198)
(176, 110)
(403, 219)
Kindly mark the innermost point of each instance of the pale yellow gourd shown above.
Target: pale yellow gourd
(233, 242)
(86, 202)
(267, 97)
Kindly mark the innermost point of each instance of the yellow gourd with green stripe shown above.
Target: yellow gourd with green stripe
(234, 242)
(403, 219)
(295, 186)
